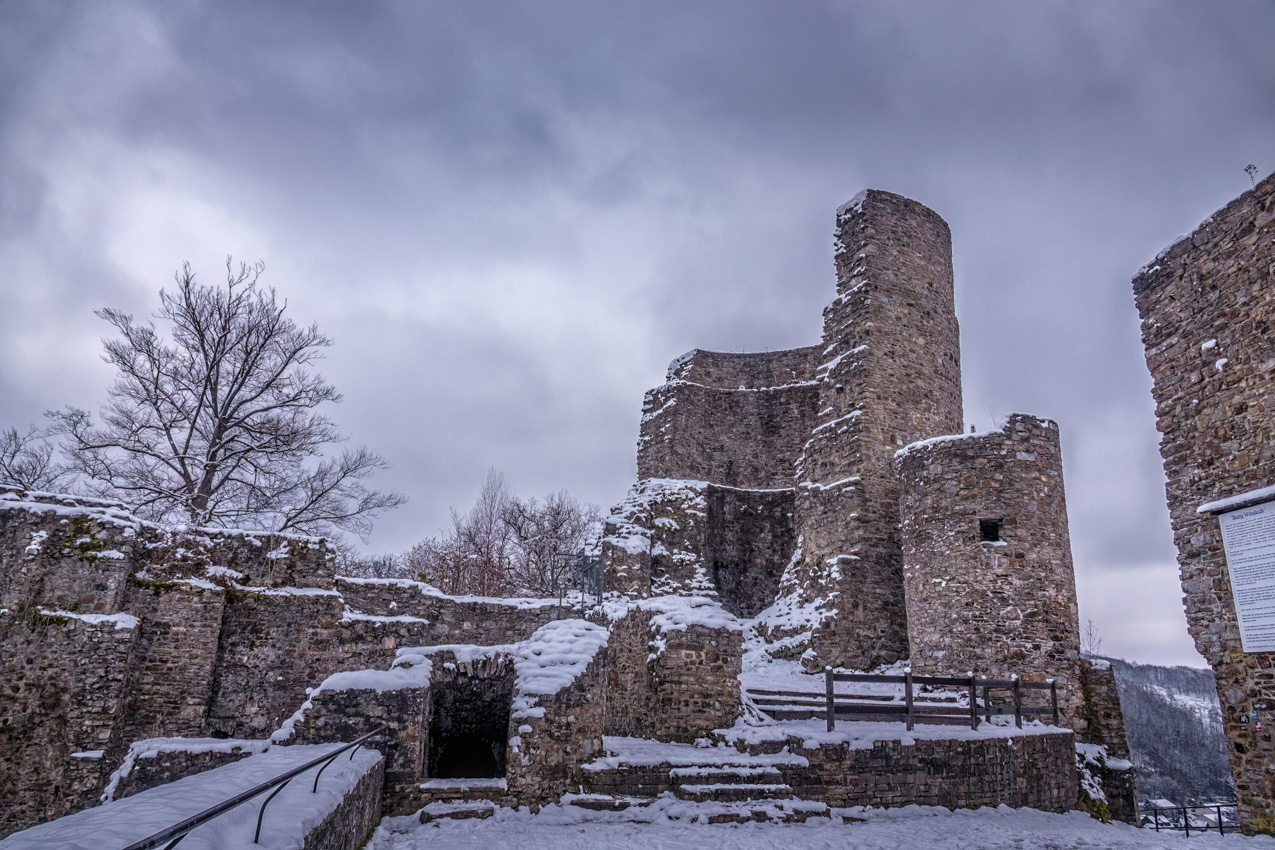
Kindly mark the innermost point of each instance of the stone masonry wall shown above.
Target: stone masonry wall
(670, 679)
(451, 619)
(1207, 304)
(750, 538)
(552, 736)
(345, 715)
(177, 652)
(741, 438)
(756, 370)
(997, 608)
(63, 684)
(1038, 771)
(890, 376)
(1028, 770)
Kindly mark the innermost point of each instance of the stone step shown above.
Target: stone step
(747, 810)
(725, 792)
(458, 810)
(725, 775)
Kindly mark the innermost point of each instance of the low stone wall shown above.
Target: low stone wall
(154, 768)
(1038, 771)
(345, 715)
(553, 735)
(349, 825)
(672, 670)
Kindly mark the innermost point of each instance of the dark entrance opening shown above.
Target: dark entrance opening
(469, 726)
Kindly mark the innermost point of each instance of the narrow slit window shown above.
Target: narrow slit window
(989, 530)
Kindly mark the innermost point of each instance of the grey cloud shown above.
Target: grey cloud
(512, 216)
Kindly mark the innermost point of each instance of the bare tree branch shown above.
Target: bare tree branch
(218, 425)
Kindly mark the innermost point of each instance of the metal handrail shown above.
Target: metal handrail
(179, 831)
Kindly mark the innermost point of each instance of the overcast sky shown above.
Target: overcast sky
(512, 216)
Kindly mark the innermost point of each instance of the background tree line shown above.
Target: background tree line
(503, 545)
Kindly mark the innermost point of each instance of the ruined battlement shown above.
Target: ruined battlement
(734, 419)
(746, 371)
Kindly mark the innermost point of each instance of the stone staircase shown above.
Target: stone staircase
(728, 783)
(646, 780)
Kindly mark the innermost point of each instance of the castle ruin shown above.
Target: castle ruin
(803, 510)
(829, 491)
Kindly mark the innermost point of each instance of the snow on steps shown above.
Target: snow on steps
(647, 771)
(667, 807)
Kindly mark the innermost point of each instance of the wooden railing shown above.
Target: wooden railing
(914, 708)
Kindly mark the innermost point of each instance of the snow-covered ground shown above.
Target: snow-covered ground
(882, 829)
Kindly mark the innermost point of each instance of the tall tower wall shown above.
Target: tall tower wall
(890, 375)
(1208, 325)
(999, 606)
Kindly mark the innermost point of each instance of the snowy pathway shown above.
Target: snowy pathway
(884, 829)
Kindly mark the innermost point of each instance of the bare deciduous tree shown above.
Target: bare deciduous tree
(505, 545)
(29, 461)
(547, 533)
(219, 426)
(1091, 640)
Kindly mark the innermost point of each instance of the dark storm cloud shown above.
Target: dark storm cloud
(511, 216)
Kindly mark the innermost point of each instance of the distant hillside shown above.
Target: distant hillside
(1174, 725)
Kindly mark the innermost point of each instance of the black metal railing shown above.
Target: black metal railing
(914, 708)
(178, 831)
(1170, 821)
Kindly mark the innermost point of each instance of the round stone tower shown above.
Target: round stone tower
(889, 374)
(987, 557)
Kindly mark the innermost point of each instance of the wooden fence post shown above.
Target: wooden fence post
(907, 695)
(973, 702)
(987, 701)
(832, 709)
(1018, 702)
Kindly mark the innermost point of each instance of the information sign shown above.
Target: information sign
(1248, 536)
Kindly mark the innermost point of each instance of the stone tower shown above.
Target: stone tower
(890, 375)
(987, 557)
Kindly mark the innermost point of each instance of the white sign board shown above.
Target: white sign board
(1249, 538)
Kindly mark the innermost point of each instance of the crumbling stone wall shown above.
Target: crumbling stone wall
(1207, 305)
(1104, 726)
(65, 553)
(347, 714)
(202, 652)
(999, 607)
(672, 674)
(176, 656)
(552, 740)
(749, 540)
(890, 375)
(734, 419)
(693, 538)
(451, 619)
